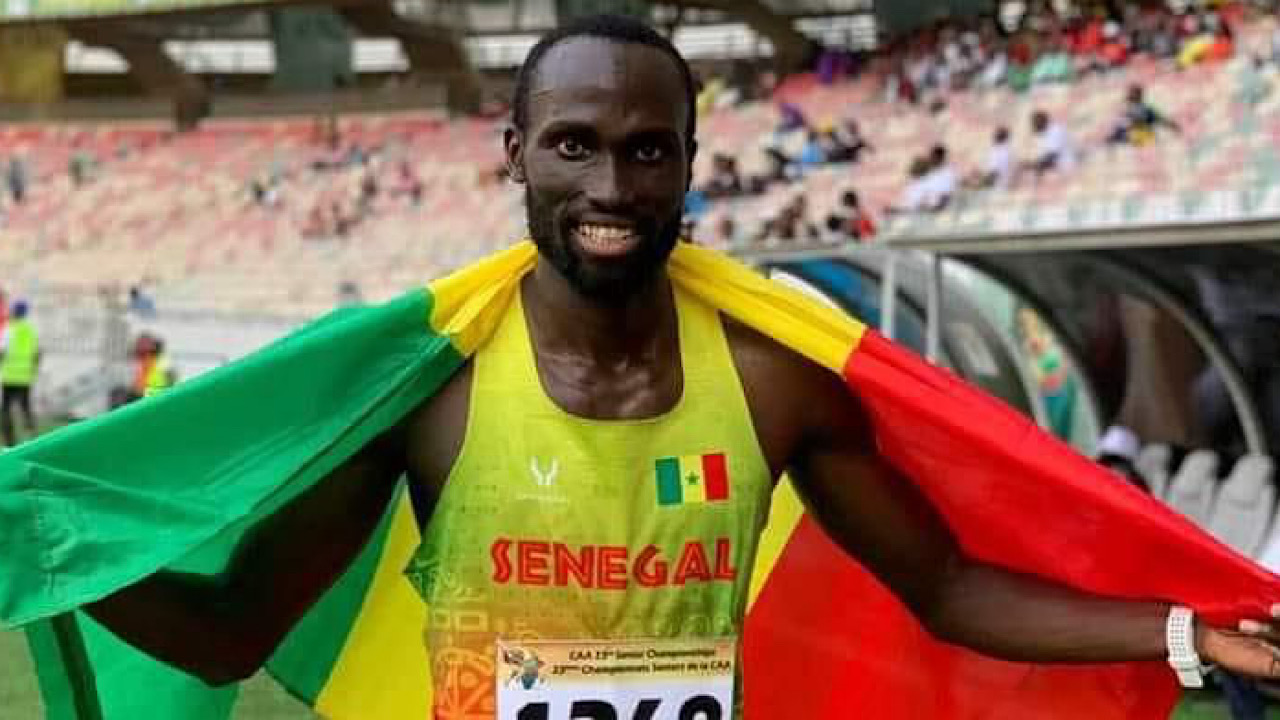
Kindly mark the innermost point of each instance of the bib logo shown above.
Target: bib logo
(609, 567)
(525, 666)
(544, 479)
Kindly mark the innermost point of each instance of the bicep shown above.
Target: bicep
(868, 508)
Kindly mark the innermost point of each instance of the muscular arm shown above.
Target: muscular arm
(811, 425)
(881, 519)
(222, 629)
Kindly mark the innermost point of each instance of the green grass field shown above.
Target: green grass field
(262, 699)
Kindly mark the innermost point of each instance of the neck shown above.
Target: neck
(563, 319)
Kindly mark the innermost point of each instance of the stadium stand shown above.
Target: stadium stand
(1153, 464)
(244, 215)
(1243, 508)
(179, 212)
(1193, 489)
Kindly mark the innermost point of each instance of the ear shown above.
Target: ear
(513, 147)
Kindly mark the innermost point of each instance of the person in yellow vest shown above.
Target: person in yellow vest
(154, 372)
(19, 365)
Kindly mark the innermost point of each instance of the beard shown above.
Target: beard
(612, 281)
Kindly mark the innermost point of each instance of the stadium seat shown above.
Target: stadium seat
(1153, 464)
(1242, 513)
(1191, 491)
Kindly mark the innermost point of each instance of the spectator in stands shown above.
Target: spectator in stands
(1116, 46)
(915, 196)
(369, 189)
(851, 221)
(1163, 40)
(1057, 150)
(995, 70)
(19, 366)
(1055, 65)
(898, 86)
(410, 184)
(834, 232)
(941, 181)
(790, 118)
(1118, 451)
(997, 172)
(16, 176)
(846, 143)
(140, 303)
(781, 169)
(81, 163)
(725, 180)
(1209, 39)
(154, 371)
(813, 153)
(727, 235)
(1140, 121)
(792, 223)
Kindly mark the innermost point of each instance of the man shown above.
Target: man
(915, 196)
(850, 221)
(997, 173)
(1057, 150)
(1140, 121)
(599, 367)
(19, 365)
(153, 372)
(17, 177)
(941, 179)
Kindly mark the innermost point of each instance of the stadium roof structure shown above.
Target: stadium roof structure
(1215, 277)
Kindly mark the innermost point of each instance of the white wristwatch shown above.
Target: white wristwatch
(1180, 637)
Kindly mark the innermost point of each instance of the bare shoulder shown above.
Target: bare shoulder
(793, 400)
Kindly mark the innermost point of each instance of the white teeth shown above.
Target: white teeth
(604, 232)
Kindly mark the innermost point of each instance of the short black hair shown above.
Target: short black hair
(611, 28)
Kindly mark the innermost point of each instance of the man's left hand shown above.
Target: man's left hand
(1253, 649)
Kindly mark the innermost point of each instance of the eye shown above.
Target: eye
(649, 152)
(571, 149)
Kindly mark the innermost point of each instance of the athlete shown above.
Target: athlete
(602, 467)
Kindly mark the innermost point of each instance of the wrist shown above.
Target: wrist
(1201, 634)
(1187, 639)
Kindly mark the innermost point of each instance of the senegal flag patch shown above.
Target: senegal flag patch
(692, 479)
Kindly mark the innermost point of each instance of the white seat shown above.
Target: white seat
(1192, 488)
(1153, 464)
(1244, 506)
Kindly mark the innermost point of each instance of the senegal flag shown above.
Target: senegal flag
(173, 482)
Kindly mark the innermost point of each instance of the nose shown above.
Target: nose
(609, 184)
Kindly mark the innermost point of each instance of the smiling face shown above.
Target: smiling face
(606, 163)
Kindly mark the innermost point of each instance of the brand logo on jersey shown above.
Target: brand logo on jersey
(544, 478)
(691, 479)
(609, 567)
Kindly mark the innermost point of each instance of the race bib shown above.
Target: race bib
(616, 679)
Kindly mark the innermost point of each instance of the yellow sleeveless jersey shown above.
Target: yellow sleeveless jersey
(587, 568)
